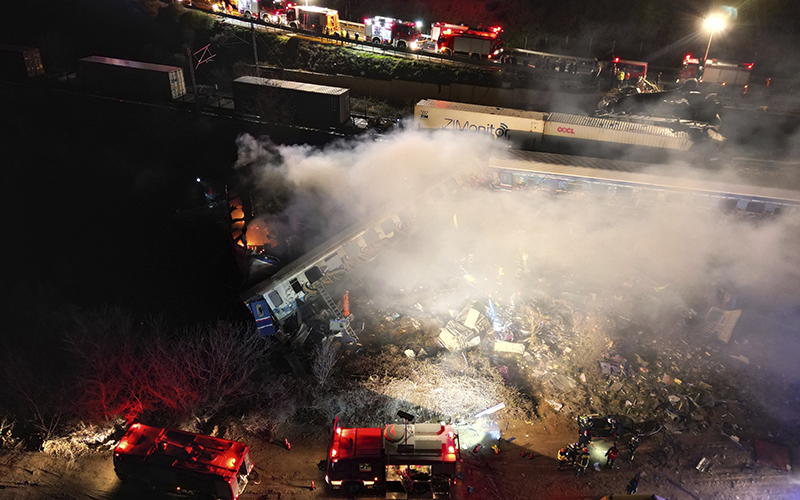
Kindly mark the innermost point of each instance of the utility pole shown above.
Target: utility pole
(255, 51)
(194, 80)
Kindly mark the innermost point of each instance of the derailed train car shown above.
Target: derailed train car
(282, 297)
(644, 139)
(618, 182)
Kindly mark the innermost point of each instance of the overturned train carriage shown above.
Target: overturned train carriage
(304, 281)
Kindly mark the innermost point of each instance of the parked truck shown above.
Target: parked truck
(320, 20)
(390, 31)
(475, 43)
(20, 62)
(169, 460)
(271, 11)
(291, 103)
(399, 459)
(715, 72)
(124, 78)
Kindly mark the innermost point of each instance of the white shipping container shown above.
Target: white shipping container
(125, 78)
(518, 128)
(588, 128)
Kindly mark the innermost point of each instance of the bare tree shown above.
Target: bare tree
(326, 354)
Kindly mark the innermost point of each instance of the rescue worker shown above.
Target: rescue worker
(563, 458)
(612, 455)
(620, 78)
(585, 438)
(573, 452)
(633, 485)
(633, 446)
(583, 462)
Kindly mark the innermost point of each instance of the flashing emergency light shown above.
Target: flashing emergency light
(688, 56)
(232, 462)
(333, 452)
(419, 24)
(616, 59)
(338, 430)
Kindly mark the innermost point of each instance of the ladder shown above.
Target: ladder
(334, 310)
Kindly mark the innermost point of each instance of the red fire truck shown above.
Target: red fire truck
(417, 459)
(715, 72)
(392, 31)
(271, 11)
(170, 460)
(475, 43)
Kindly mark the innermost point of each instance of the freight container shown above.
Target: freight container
(20, 62)
(291, 103)
(516, 128)
(562, 131)
(124, 78)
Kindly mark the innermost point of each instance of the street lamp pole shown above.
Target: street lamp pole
(708, 48)
(713, 24)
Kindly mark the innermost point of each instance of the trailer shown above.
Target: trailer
(291, 103)
(170, 461)
(517, 128)
(19, 63)
(125, 78)
(642, 137)
(398, 459)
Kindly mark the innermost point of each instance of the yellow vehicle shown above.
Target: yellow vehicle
(210, 5)
(320, 20)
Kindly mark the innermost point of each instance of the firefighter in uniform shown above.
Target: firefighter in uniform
(583, 462)
(563, 458)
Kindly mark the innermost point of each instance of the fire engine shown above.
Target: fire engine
(715, 72)
(311, 18)
(176, 461)
(417, 459)
(387, 30)
(271, 11)
(476, 43)
(633, 69)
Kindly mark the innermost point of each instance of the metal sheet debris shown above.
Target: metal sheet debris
(772, 455)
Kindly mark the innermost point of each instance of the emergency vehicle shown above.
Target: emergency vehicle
(182, 462)
(410, 459)
(387, 30)
(271, 11)
(320, 20)
(633, 69)
(715, 71)
(475, 43)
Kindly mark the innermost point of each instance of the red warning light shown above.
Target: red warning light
(616, 59)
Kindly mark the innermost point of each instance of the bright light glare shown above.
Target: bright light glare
(714, 23)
